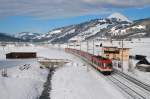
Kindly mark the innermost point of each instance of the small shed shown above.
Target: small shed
(17, 55)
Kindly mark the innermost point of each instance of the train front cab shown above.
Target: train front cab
(102, 64)
(107, 67)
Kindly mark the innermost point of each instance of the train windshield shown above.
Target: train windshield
(109, 64)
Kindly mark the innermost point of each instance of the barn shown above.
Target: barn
(21, 55)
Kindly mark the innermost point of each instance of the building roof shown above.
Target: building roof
(115, 47)
(123, 48)
(109, 47)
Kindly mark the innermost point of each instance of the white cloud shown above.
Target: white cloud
(64, 8)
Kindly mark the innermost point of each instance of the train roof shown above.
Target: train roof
(101, 57)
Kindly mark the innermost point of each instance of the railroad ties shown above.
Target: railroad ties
(131, 87)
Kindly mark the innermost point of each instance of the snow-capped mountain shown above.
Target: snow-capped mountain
(119, 17)
(139, 28)
(26, 35)
(115, 26)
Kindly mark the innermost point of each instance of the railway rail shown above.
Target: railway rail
(134, 91)
(130, 86)
(141, 84)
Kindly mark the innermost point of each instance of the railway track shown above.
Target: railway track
(131, 86)
(142, 84)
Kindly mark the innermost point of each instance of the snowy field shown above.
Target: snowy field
(72, 81)
(24, 77)
(22, 83)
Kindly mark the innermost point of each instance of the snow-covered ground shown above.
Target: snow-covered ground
(72, 81)
(23, 82)
(76, 81)
(137, 47)
(24, 77)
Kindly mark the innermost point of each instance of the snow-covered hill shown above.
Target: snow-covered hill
(138, 29)
(26, 35)
(8, 38)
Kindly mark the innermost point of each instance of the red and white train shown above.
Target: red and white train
(102, 64)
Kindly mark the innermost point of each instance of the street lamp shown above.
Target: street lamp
(67, 45)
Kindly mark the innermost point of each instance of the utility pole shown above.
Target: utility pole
(4, 71)
(67, 45)
(122, 57)
(59, 47)
(80, 45)
(93, 47)
(87, 52)
(74, 45)
(87, 46)
(3, 45)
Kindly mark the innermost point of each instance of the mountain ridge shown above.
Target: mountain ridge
(115, 26)
(4, 37)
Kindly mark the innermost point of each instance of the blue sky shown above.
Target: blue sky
(16, 24)
(40, 16)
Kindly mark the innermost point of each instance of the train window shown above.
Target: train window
(95, 62)
(100, 64)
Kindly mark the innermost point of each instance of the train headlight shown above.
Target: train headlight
(104, 64)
